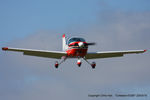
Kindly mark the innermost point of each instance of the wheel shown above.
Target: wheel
(56, 64)
(93, 65)
(79, 63)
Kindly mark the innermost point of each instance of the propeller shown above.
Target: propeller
(92, 43)
(81, 44)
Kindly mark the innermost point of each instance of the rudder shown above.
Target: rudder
(64, 46)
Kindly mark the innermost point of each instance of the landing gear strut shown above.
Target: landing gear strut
(93, 64)
(58, 63)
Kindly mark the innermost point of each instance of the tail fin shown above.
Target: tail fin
(64, 46)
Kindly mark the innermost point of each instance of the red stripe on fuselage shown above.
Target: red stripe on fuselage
(76, 52)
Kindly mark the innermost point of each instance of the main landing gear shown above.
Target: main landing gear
(56, 64)
(63, 58)
(93, 64)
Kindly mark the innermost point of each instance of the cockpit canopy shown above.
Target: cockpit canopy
(75, 40)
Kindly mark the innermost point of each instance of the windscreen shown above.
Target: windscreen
(75, 40)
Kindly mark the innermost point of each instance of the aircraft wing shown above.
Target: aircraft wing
(110, 54)
(39, 53)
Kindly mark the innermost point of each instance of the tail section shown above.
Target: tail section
(64, 45)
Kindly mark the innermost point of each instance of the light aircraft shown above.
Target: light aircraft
(75, 47)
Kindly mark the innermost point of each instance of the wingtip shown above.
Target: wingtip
(5, 48)
(145, 50)
(63, 35)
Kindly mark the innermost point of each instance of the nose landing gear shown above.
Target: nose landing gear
(79, 63)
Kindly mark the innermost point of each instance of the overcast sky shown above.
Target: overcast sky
(112, 24)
